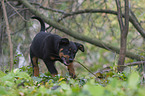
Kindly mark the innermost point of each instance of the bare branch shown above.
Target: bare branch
(119, 15)
(126, 27)
(135, 63)
(48, 8)
(132, 17)
(15, 10)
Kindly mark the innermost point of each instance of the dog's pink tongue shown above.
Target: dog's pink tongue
(64, 61)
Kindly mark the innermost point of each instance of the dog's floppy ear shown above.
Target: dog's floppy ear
(64, 41)
(80, 46)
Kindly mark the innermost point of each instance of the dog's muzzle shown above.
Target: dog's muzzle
(66, 61)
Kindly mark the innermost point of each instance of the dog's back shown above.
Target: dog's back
(39, 46)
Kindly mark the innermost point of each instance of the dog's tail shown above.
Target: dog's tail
(41, 22)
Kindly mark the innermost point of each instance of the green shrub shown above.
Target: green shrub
(19, 83)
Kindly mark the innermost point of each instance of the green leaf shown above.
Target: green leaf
(8, 77)
(16, 70)
(24, 75)
(2, 74)
(10, 84)
(42, 89)
(95, 90)
(65, 86)
(133, 80)
(3, 91)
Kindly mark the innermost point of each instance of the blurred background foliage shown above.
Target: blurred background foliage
(102, 26)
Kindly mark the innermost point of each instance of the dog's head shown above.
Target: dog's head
(68, 50)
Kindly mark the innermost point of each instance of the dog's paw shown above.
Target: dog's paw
(72, 75)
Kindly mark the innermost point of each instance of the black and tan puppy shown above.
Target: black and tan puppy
(50, 48)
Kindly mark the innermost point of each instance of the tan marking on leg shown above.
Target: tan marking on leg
(53, 75)
(52, 58)
(71, 70)
(36, 67)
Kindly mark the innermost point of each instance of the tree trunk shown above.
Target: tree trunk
(124, 32)
(8, 33)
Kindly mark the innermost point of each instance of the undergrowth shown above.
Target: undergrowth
(20, 82)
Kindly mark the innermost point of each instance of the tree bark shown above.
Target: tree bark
(67, 31)
(124, 32)
(122, 39)
(8, 33)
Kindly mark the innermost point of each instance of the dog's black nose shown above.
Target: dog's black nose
(70, 60)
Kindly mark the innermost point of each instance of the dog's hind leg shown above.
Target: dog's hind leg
(35, 66)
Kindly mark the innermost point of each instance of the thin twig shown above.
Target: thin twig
(128, 64)
(48, 8)
(135, 63)
(86, 68)
(16, 10)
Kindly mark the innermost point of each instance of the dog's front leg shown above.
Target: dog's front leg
(51, 67)
(71, 70)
